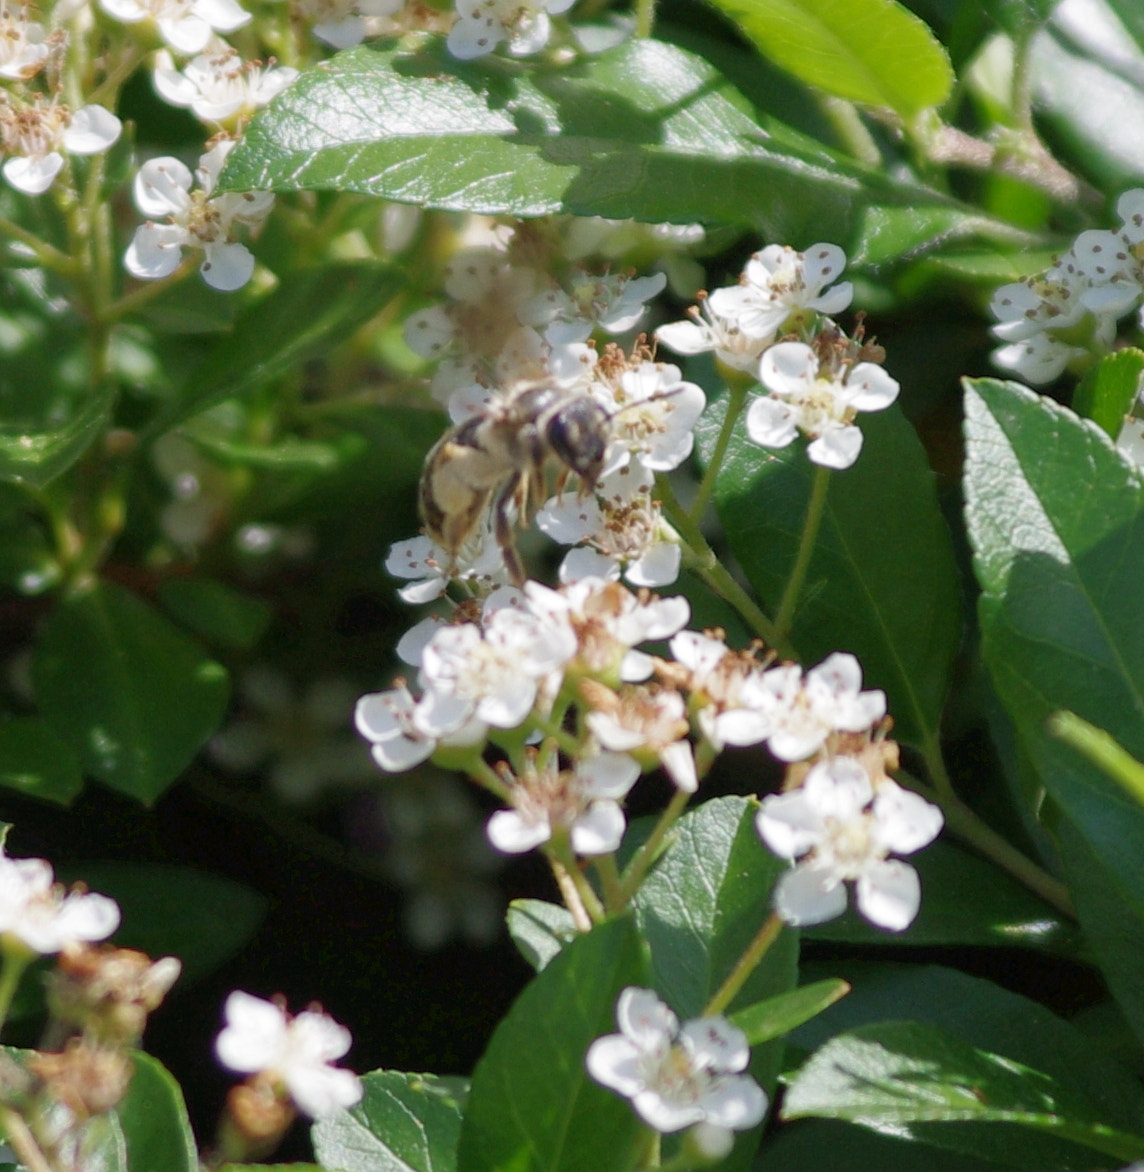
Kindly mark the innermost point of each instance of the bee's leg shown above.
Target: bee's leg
(503, 529)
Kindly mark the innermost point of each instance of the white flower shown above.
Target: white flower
(483, 24)
(606, 621)
(345, 23)
(492, 674)
(1038, 359)
(654, 412)
(819, 403)
(43, 915)
(192, 219)
(433, 569)
(219, 86)
(1050, 300)
(23, 51)
(585, 803)
(804, 712)
(185, 25)
(296, 1052)
(707, 331)
(846, 830)
(614, 303)
(677, 1076)
(36, 135)
(646, 722)
(622, 523)
(779, 283)
(398, 740)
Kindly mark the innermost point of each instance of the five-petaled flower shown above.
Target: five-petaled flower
(295, 1054)
(677, 1076)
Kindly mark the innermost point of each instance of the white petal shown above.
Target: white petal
(92, 129)
(599, 830)
(614, 1061)
(469, 39)
(33, 176)
(789, 824)
(187, 35)
(227, 266)
(510, 833)
(609, 775)
(320, 1091)
(658, 567)
(584, 562)
(877, 388)
(905, 821)
(889, 894)
(223, 15)
(341, 34)
(161, 187)
(254, 1034)
(837, 448)
(679, 763)
(685, 337)
(771, 423)
(736, 1102)
(809, 895)
(155, 250)
(787, 367)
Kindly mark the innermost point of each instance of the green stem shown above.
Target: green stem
(850, 130)
(570, 879)
(646, 856)
(971, 829)
(810, 527)
(16, 960)
(935, 763)
(748, 962)
(701, 559)
(736, 401)
(49, 256)
(565, 741)
(484, 774)
(147, 292)
(610, 881)
(645, 17)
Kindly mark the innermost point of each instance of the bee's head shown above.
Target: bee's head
(578, 433)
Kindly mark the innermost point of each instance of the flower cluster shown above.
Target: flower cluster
(1068, 314)
(676, 1075)
(775, 323)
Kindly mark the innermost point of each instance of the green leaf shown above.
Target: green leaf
(539, 929)
(882, 581)
(404, 1123)
(1108, 390)
(35, 761)
(217, 611)
(645, 130)
(871, 51)
(1060, 570)
(779, 1015)
(965, 901)
(154, 1120)
(895, 1075)
(532, 1104)
(37, 457)
(704, 903)
(306, 315)
(132, 695)
(168, 910)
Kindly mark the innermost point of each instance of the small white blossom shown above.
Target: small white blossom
(43, 915)
(398, 739)
(779, 283)
(345, 23)
(523, 25)
(820, 403)
(35, 137)
(584, 802)
(185, 25)
(1038, 359)
(296, 1053)
(432, 569)
(710, 331)
(219, 86)
(23, 50)
(647, 722)
(677, 1076)
(613, 303)
(803, 712)
(844, 830)
(654, 412)
(193, 219)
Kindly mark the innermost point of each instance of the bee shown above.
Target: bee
(499, 459)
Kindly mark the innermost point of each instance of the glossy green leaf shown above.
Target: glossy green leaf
(779, 1015)
(875, 52)
(35, 761)
(704, 903)
(645, 130)
(532, 1104)
(132, 695)
(306, 315)
(539, 929)
(882, 582)
(404, 1123)
(154, 1120)
(1108, 390)
(169, 910)
(1056, 518)
(965, 901)
(37, 457)
(217, 611)
(894, 1075)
